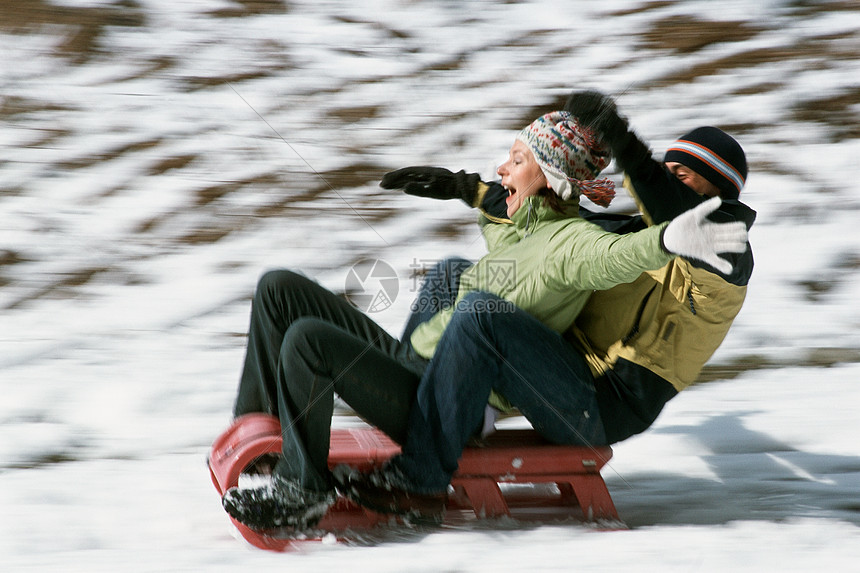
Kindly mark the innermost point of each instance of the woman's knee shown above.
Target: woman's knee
(277, 288)
(279, 279)
(305, 333)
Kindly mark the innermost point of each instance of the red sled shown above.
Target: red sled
(516, 473)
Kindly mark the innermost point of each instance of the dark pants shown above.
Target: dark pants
(490, 344)
(305, 344)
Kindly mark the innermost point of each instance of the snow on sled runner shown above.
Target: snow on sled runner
(516, 473)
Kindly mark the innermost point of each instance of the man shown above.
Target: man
(649, 339)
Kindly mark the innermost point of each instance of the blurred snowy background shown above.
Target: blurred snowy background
(157, 156)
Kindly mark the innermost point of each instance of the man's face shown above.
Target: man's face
(692, 179)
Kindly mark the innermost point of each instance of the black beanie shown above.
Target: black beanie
(713, 154)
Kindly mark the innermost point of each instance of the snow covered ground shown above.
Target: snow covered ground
(156, 157)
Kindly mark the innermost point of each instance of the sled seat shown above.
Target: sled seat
(514, 473)
(482, 482)
(524, 457)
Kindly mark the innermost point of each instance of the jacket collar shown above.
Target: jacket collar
(739, 211)
(534, 211)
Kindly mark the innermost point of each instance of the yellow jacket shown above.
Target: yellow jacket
(647, 340)
(681, 318)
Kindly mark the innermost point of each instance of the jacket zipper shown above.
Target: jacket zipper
(635, 330)
(528, 220)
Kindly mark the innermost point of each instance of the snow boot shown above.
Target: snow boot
(387, 490)
(277, 503)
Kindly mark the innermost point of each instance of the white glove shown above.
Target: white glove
(691, 235)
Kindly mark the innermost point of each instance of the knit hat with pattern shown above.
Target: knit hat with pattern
(570, 156)
(713, 154)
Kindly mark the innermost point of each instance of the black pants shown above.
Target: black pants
(305, 344)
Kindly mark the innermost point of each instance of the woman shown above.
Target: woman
(305, 343)
(520, 354)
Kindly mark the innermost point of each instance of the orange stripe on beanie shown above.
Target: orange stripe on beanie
(713, 154)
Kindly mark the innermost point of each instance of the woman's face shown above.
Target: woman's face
(521, 176)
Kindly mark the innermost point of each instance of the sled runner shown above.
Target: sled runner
(516, 473)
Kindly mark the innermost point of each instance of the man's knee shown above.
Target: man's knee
(485, 305)
(450, 268)
(479, 311)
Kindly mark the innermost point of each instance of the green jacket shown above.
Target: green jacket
(548, 264)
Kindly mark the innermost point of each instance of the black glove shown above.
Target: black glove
(493, 203)
(599, 112)
(434, 182)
